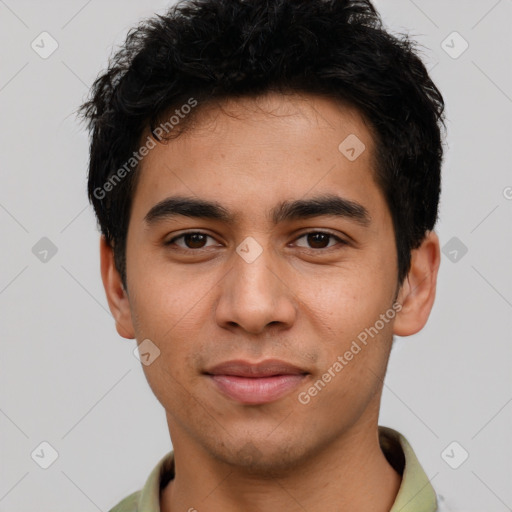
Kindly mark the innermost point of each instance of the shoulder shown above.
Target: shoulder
(128, 504)
(147, 499)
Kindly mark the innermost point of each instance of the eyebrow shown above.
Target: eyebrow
(324, 205)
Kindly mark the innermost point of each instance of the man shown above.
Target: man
(266, 176)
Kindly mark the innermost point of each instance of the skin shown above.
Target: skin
(298, 302)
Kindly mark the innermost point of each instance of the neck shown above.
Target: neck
(351, 473)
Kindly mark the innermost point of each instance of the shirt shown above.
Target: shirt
(416, 494)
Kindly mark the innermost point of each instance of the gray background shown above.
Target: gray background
(68, 379)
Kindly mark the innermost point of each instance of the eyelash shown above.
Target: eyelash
(338, 239)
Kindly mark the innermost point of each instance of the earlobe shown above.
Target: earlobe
(418, 290)
(116, 295)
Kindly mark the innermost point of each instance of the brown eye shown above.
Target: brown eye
(319, 240)
(190, 241)
(195, 240)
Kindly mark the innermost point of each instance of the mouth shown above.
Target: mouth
(256, 383)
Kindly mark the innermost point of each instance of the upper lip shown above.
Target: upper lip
(267, 368)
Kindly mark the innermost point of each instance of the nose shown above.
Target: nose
(256, 295)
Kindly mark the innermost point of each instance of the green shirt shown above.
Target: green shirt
(415, 493)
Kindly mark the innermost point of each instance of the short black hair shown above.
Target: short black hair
(206, 51)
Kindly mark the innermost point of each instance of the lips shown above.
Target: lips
(256, 383)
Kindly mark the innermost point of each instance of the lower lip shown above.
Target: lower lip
(256, 390)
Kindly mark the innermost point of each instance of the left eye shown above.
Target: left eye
(318, 239)
(197, 240)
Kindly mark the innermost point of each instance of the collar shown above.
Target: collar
(416, 494)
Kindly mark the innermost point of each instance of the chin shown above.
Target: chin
(262, 458)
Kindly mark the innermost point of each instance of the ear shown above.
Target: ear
(116, 295)
(418, 290)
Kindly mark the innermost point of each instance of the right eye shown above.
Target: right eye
(193, 241)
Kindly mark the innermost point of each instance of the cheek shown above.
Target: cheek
(167, 301)
(346, 299)
(162, 318)
(345, 311)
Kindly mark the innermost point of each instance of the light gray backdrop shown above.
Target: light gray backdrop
(67, 378)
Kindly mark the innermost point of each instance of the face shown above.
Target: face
(254, 301)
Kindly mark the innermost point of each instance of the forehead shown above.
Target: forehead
(255, 152)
